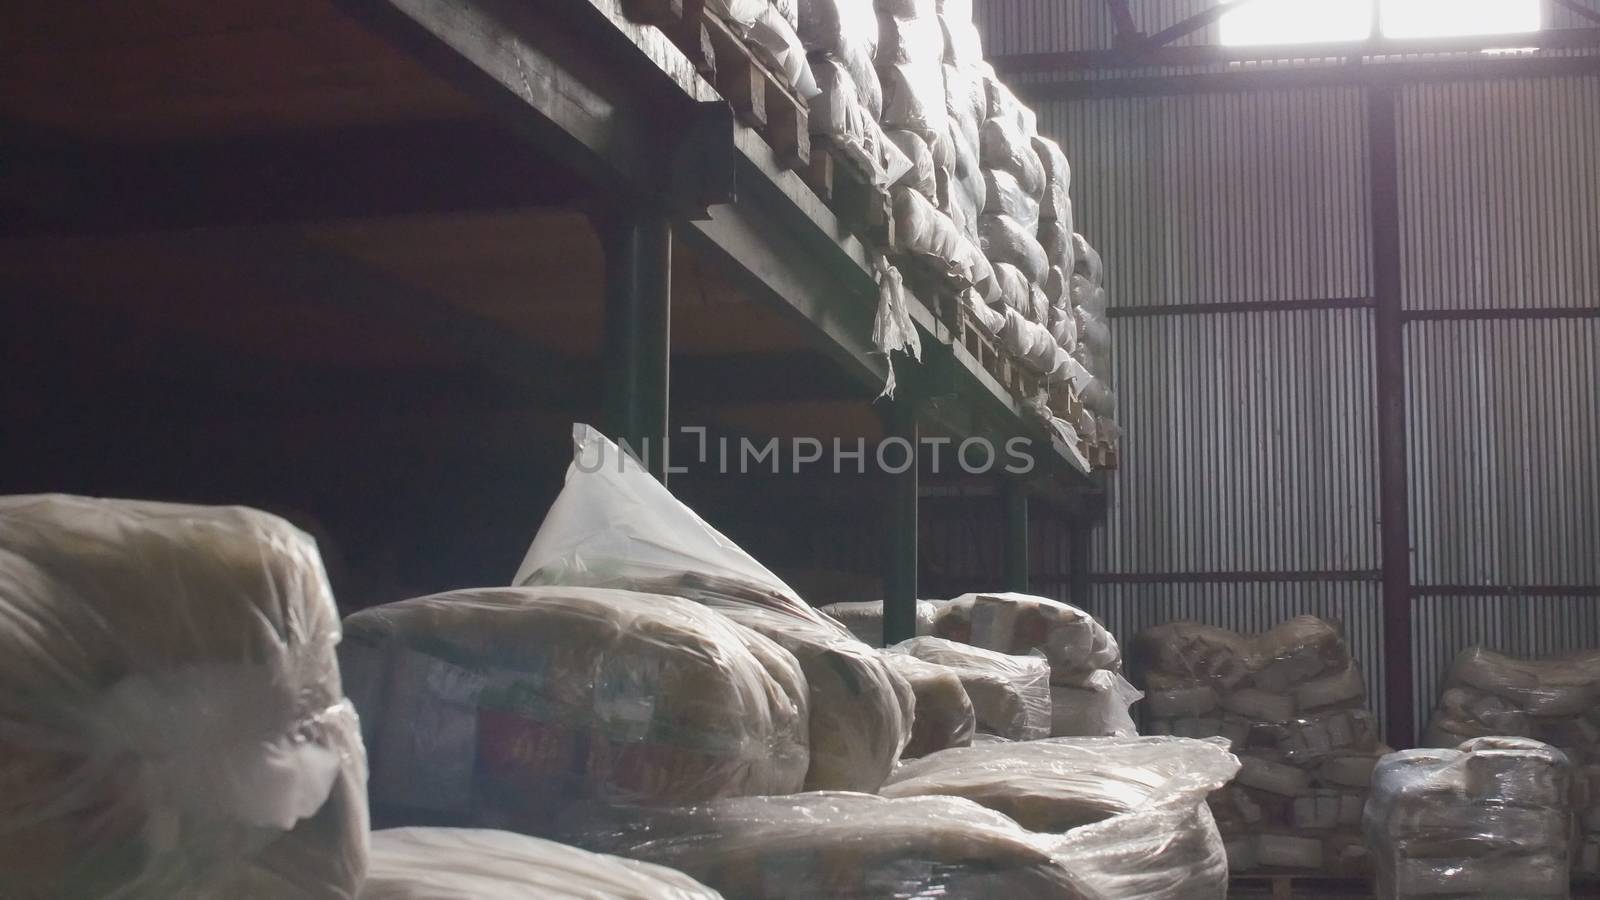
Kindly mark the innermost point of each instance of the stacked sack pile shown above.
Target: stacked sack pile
(1089, 374)
(841, 38)
(1556, 701)
(769, 28)
(1490, 819)
(1088, 695)
(1292, 704)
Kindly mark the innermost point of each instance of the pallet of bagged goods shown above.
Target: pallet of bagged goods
(173, 723)
(1010, 695)
(1489, 819)
(1132, 811)
(1556, 701)
(615, 526)
(1293, 706)
(1088, 695)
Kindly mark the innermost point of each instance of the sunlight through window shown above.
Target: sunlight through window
(1296, 21)
(1448, 18)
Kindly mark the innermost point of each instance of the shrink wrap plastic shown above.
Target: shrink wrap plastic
(944, 715)
(506, 706)
(1291, 703)
(613, 525)
(1098, 706)
(173, 724)
(483, 864)
(1010, 694)
(1490, 819)
(865, 619)
(1556, 701)
(1074, 643)
(844, 846)
(1133, 809)
(847, 31)
(1006, 240)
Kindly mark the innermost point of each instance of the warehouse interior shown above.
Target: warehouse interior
(1292, 310)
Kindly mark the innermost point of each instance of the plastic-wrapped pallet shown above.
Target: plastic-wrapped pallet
(504, 706)
(921, 177)
(1291, 702)
(944, 716)
(865, 619)
(173, 723)
(1004, 239)
(1556, 701)
(1490, 819)
(1133, 809)
(613, 525)
(844, 846)
(838, 114)
(920, 228)
(483, 864)
(1075, 644)
(1010, 694)
(910, 62)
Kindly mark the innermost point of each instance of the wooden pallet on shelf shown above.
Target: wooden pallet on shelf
(1006, 368)
(847, 189)
(760, 97)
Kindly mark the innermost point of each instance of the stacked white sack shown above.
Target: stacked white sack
(1490, 819)
(966, 106)
(769, 29)
(1133, 809)
(1087, 296)
(943, 714)
(503, 707)
(1292, 703)
(173, 723)
(865, 618)
(482, 864)
(1089, 697)
(1010, 695)
(1556, 701)
(613, 525)
(845, 846)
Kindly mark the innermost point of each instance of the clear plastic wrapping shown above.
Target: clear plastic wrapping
(1291, 702)
(1006, 240)
(505, 706)
(1074, 643)
(613, 525)
(1003, 146)
(484, 864)
(865, 619)
(944, 715)
(1490, 819)
(1097, 706)
(173, 723)
(1010, 694)
(844, 846)
(920, 177)
(1003, 196)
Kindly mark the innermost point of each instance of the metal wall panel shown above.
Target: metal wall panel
(1222, 198)
(1500, 185)
(1504, 446)
(1127, 609)
(1248, 444)
(1527, 627)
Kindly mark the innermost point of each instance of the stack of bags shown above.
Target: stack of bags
(841, 37)
(865, 618)
(1091, 377)
(1132, 810)
(1010, 695)
(966, 106)
(1088, 695)
(172, 723)
(1490, 819)
(1556, 701)
(1292, 704)
(770, 30)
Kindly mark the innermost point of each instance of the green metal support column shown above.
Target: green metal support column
(638, 251)
(1014, 494)
(900, 580)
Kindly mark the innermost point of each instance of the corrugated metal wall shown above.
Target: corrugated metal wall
(1248, 485)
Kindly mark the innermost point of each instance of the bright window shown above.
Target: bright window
(1329, 21)
(1446, 18)
(1296, 21)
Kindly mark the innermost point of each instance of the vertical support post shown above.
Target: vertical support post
(1014, 496)
(900, 580)
(1078, 563)
(637, 242)
(1389, 338)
